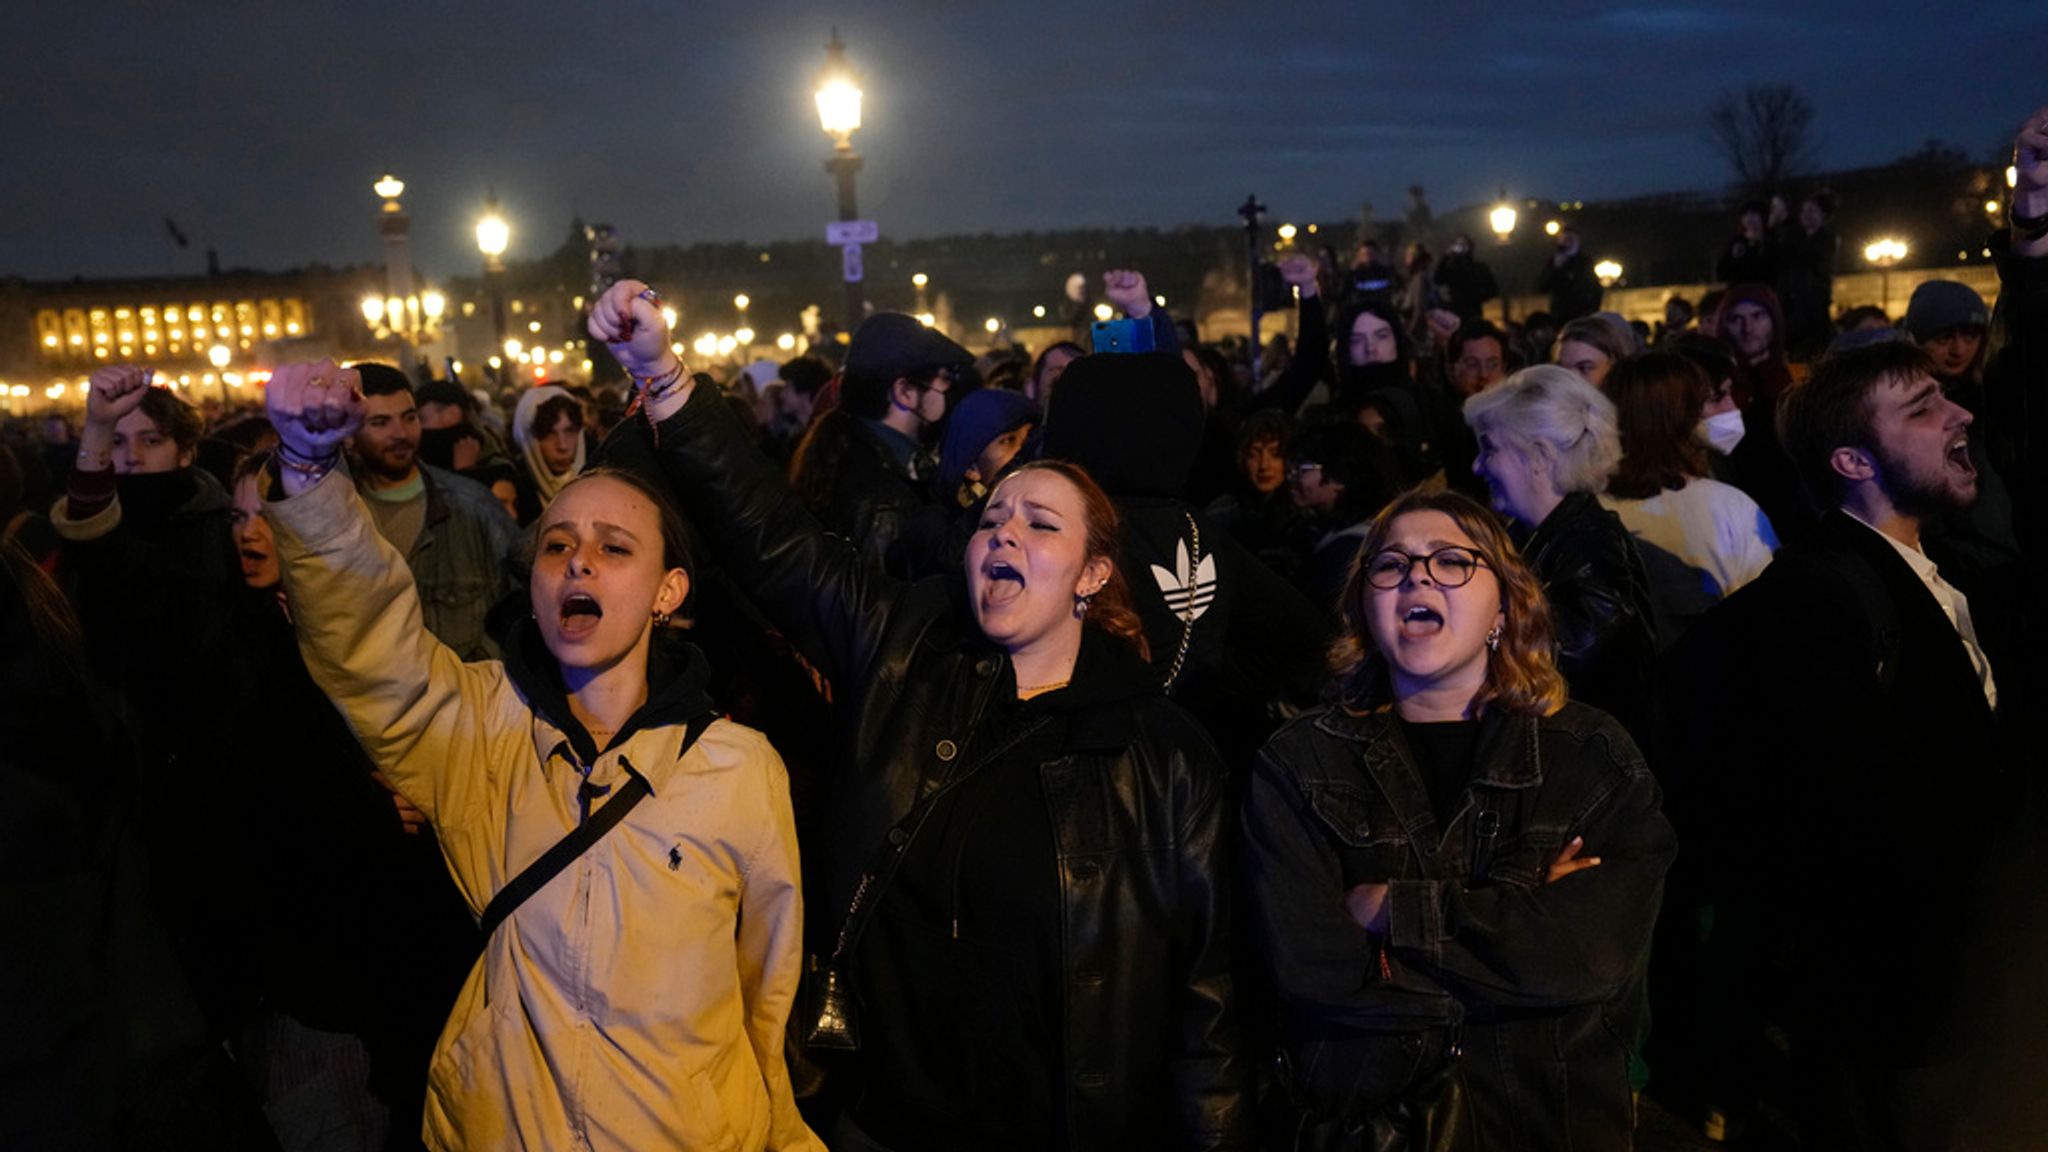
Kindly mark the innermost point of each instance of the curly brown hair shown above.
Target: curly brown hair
(1111, 610)
(1521, 674)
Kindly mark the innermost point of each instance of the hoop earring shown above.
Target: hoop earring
(1493, 638)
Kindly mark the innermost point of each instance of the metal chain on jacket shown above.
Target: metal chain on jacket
(1187, 619)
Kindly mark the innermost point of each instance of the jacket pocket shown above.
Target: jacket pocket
(1355, 816)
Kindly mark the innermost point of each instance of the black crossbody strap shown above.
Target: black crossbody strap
(536, 875)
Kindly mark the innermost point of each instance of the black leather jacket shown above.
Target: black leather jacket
(1136, 798)
(1533, 981)
(1599, 598)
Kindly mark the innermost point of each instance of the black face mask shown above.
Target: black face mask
(1355, 380)
(437, 445)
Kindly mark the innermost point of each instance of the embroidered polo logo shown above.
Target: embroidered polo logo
(675, 858)
(1188, 585)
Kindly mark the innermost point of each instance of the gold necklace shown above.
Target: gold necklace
(1027, 691)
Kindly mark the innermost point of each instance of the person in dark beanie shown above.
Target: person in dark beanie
(1948, 320)
(988, 434)
(984, 435)
(867, 464)
(1234, 640)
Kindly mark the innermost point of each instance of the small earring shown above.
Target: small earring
(1081, 604)
(660, 618)
(1493, 639)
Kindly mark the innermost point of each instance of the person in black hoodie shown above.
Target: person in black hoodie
(1253, 645)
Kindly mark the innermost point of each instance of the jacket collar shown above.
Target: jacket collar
(676, 695)
(1507, 749)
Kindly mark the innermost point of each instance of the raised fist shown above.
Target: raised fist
(314, 407)
(1126, 289)
(628, 320)
(1299, 269)
(114, 391)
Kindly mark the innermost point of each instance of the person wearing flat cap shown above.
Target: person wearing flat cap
(865, 467)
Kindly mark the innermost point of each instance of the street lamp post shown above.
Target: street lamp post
(1502, 221)
(839, 114)
(493, 236)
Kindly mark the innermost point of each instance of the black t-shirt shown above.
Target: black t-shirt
(1444, 755)
(959, 971)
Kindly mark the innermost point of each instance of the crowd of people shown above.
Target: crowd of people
(1439, 736)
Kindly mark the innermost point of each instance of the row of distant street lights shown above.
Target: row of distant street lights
(839, 99)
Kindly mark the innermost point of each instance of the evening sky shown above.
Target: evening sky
(259, 127)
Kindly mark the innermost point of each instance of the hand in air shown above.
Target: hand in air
(114, 391)
(1126, 289)
(1299, 270)
(315, 407)
(628, 320)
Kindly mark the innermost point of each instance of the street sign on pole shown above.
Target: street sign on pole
(849, 257)
(844, 232)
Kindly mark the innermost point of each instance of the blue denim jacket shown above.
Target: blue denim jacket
(1530, 985)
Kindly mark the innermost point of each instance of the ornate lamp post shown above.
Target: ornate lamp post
(839, 114)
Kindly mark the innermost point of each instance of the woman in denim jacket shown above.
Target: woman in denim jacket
(1454, 871)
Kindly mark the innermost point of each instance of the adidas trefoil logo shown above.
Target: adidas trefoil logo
(1188, 584)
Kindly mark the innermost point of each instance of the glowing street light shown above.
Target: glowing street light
(390, 188)
(433, 305)
(1885, 252)
(1608, 271)
(1502, 219)
(218, 355)
(1552, 227)
(919, 280)
(741, 301)
(1287, 233)
(786, 341)
(927, 319)
(992, 325)
(743, 335)
(373, 310)
(493, 234)
(1104, 312)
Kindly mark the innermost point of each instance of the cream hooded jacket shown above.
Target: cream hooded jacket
(637, 1001)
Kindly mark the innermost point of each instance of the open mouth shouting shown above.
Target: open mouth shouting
(580, 615)
(1959, 457)
(1001, 585)
(1420, 620)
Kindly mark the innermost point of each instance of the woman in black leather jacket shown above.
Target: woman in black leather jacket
(1026, 874)
(1453, 871)
(1548, 444)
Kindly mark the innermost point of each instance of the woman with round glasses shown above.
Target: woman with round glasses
(1454, 870)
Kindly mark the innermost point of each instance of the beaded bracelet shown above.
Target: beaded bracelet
(659, 387)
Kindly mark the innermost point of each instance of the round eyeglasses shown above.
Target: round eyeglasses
(1447, 567)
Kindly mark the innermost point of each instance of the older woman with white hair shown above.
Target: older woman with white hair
(1548, 442)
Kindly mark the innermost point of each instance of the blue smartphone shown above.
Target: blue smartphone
(1124, 335)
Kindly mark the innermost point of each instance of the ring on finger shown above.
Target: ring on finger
(651, 296)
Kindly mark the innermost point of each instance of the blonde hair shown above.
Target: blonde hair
(1550, 405)
(1521, 673)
